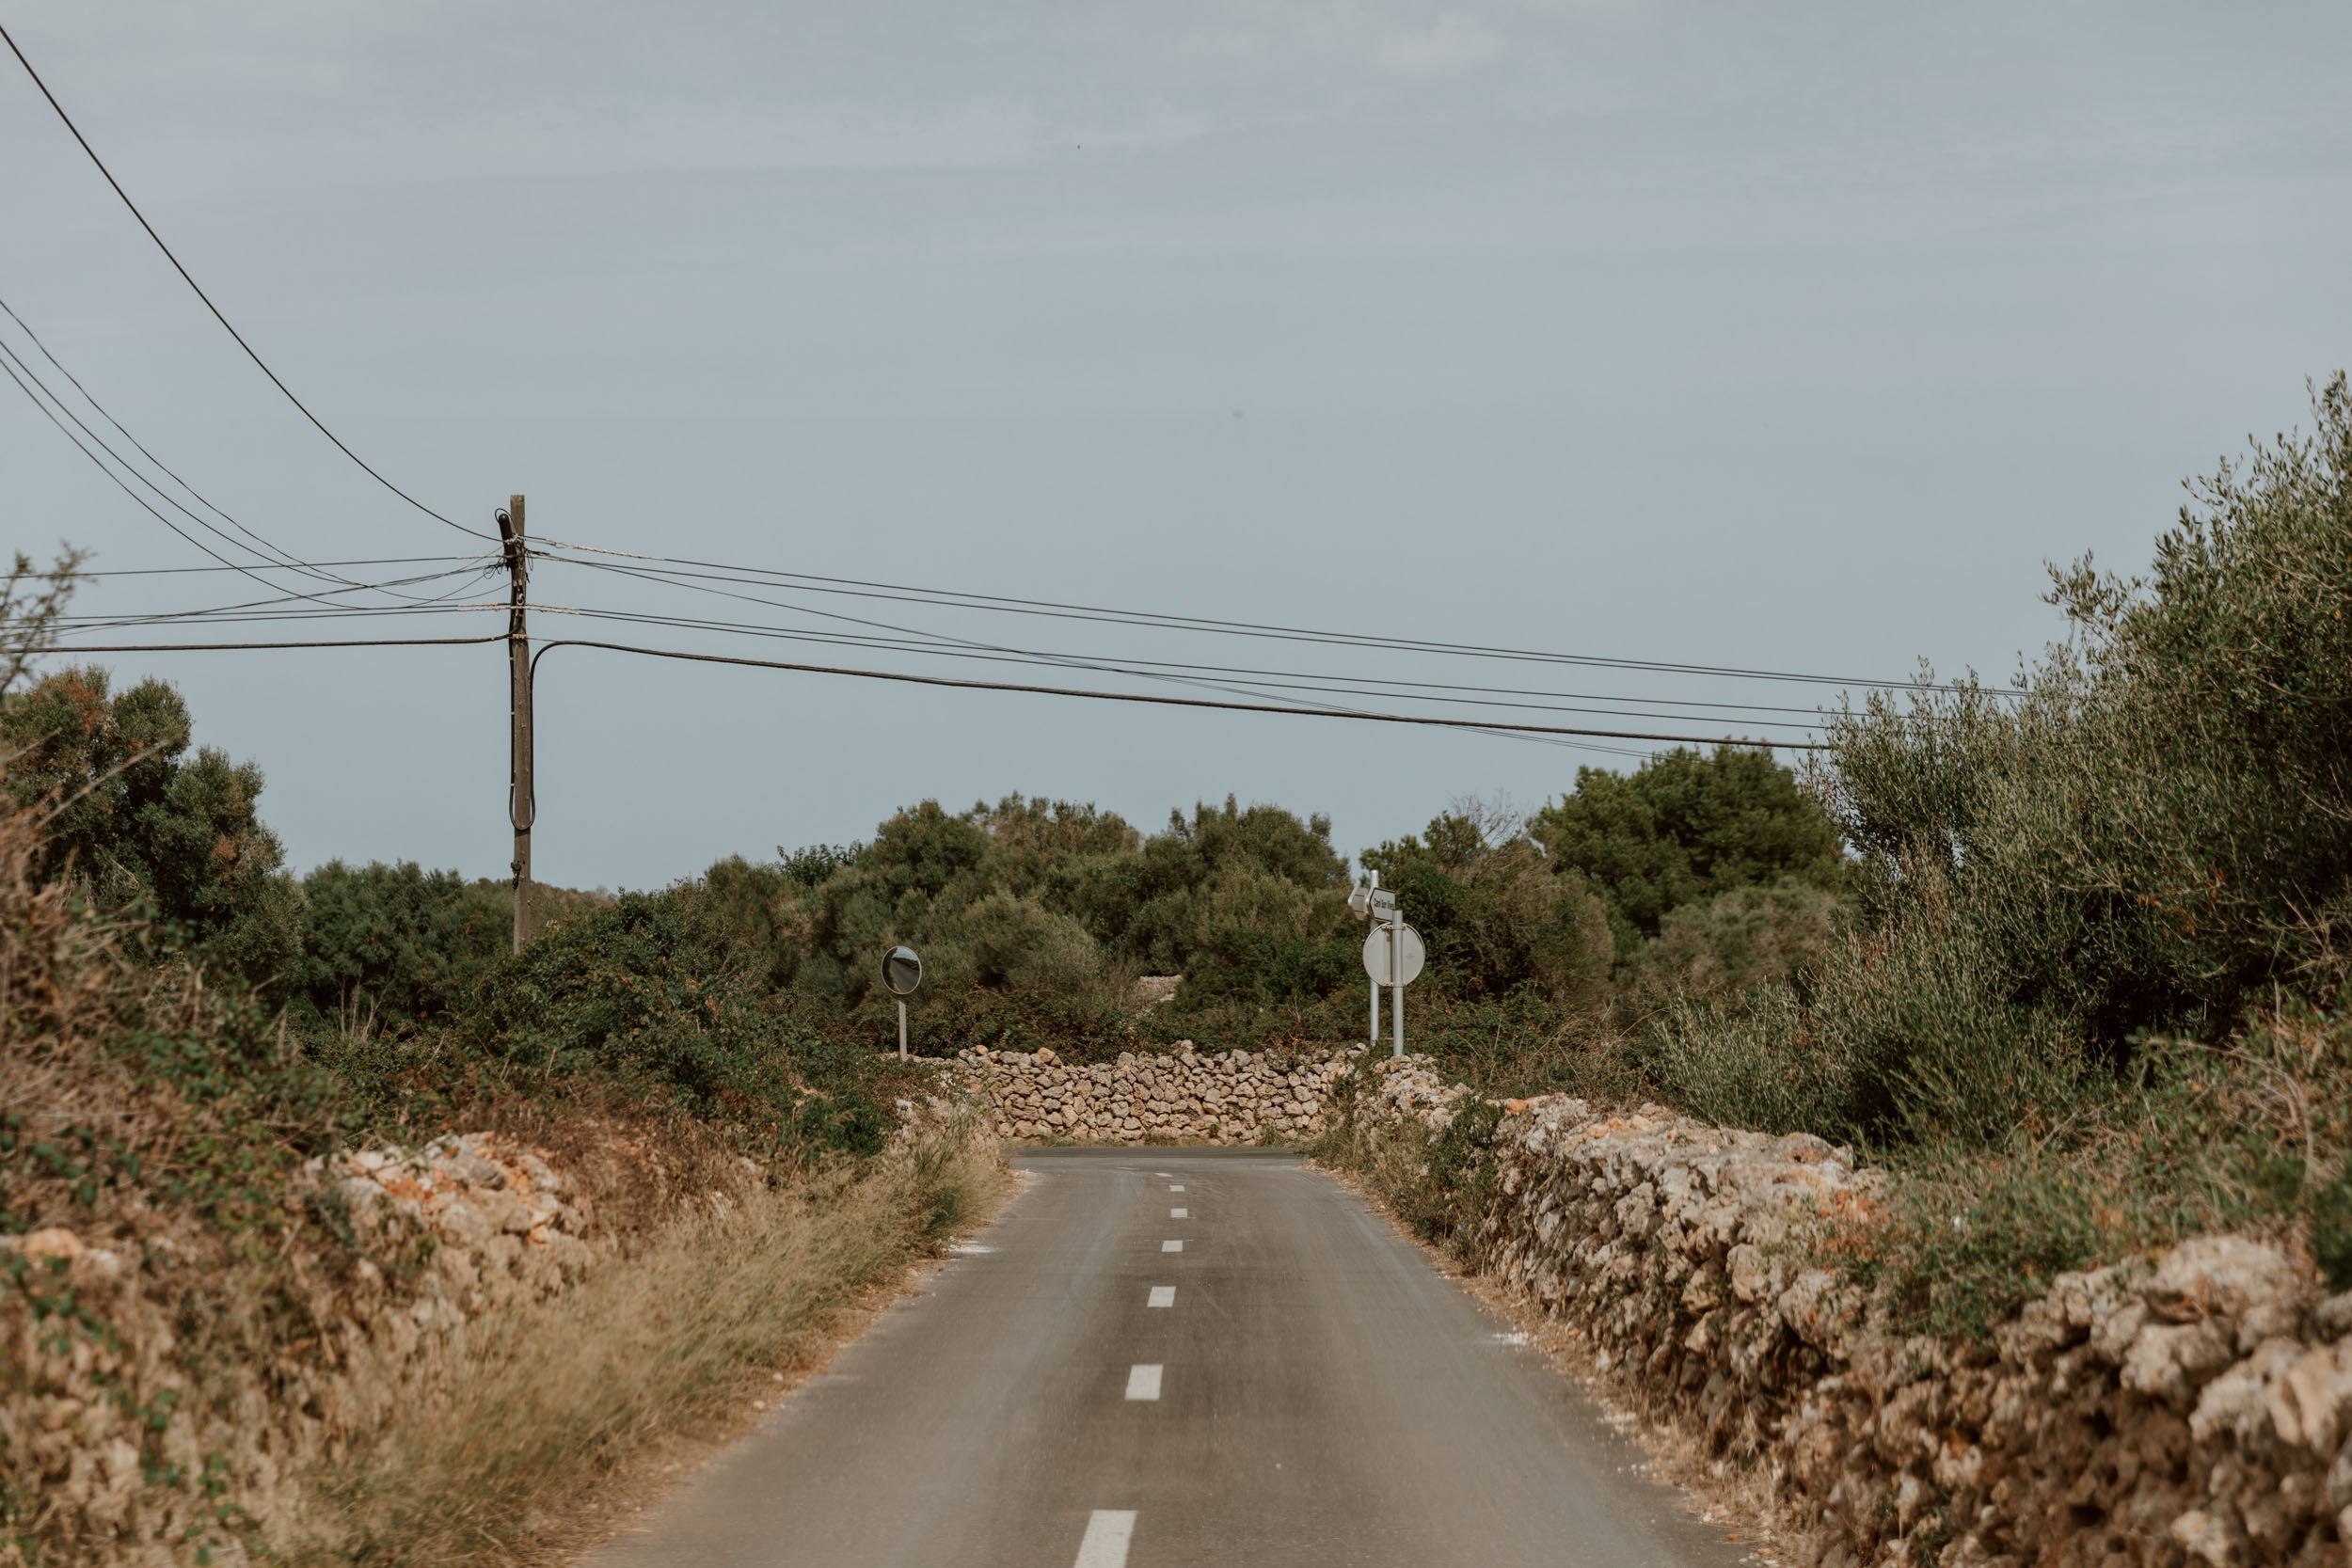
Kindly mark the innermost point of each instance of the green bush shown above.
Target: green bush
(1685, 827)
(616, 998)
(1737, 942)
(2251, 1137)
(141, 824)
(1019, 944)
(2152, 833)
(1495, 918)
(394, 946)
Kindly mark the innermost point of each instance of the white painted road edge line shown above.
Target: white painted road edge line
(1171, 1246)
(1179, 1214)
(1107, 1534)
(1162, 1296)
(1143, 1381)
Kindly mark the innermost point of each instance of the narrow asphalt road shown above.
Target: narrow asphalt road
(1163, 1357)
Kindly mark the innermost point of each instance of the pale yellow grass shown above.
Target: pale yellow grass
(549, 1402)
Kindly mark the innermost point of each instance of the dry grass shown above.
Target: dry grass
(550, 1403)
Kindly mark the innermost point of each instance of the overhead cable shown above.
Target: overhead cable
(1160, 700)
(11, 366)
(960, 598)
(1237, 670)
(241, 612)
(1113, 666)
(1153, 699)
(1024, 656)
(187, 278)
(187, 571)
(249, 647)
(269, 550)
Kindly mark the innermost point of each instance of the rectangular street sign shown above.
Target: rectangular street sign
(1383, 904)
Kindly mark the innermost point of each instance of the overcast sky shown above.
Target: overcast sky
(1795, 336)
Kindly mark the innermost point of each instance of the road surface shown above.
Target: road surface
(1163, 1358)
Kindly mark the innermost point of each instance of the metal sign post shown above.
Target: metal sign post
(1359, 905)
(903, 970)
(1396, 967)
(1371, 904)
(1394, 956)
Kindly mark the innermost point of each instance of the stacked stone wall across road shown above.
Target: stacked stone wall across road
(1233, 1097)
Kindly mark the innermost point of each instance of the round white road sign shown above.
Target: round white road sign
(1376, 956)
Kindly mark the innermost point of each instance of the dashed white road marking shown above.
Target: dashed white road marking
(1179, 1214)
(1176, 1187)
(1162, 1174)
(1107, 1534)
(1143, 1381)
(971, 1249)
(1171, 1246)
(1162, 1296)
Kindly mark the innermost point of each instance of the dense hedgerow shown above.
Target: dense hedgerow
(2093, 994)
(2150, 833)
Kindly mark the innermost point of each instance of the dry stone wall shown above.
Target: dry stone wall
(1234, 1097)
(2193, 1410)
(503, 1229)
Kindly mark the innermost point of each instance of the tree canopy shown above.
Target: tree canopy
(1685, 828)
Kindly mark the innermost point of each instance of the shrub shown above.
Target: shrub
(1019, 944)
(618, 997)
(1737, 941)
(1906, 1036)
(396, 946)
(1495, 918)
(1685, 827)
(2152, 833)
(135, 819)
(2251, 1136)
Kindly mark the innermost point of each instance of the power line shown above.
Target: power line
(211, 614)
(1287, 680)
(8, 366)
(1158, 700)
(1127, 662)
(355, 612)
(185, 571)
(26, 382)
(244, 647)
(223, 615)
(258, 611)
(1008, 656)
(1058, 609)
(271, 552)
(1020, 655)
(986, 654)
(190, 281)
(1152, 699)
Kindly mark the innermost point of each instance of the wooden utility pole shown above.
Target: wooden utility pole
(521, 804)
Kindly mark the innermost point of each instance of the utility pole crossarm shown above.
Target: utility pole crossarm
(521, 801)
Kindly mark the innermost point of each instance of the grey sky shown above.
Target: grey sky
(1794, 335)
